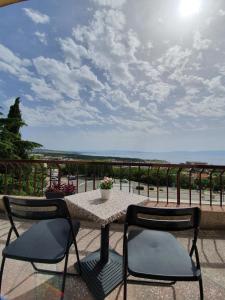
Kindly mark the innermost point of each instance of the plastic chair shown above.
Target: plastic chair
(47, 241)
(151, 253)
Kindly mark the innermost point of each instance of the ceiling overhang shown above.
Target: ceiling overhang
(8, 2)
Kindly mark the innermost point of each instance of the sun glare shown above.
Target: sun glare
(189, 7)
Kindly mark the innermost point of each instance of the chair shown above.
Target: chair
(47, 241)
(151, 253)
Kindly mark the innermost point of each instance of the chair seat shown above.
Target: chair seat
(158, 255)
(44, 242)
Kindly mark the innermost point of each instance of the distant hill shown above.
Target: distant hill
(210, 157)
(56, 154)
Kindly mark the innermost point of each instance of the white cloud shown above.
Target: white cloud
(42, 37)
(70, 113)
(11, 63)
(192, 91)
(29, 97)
(208, 106)
(66, 81)
(215, 85)
(149, 45)
(86, 77)
(111, 3)
(73, 52)
(133, 43)
(59, 75)
(42, 90)
(107, 74)
(115, 99)
(175, 57)
(9, 57)
(147, 69)
(14, 65)
(36, 16)
(107, 46)
(159, 91)
(199, 43)
(221, 12)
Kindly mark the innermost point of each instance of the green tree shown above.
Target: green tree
(14, 119)
(12, 146)
(6, 147)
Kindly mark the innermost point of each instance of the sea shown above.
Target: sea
(210, 157)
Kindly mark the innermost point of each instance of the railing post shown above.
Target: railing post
(20, 179)
(178, 185)
(50, 174)
(157, 176)
(167, 185)
(59, 174)
(42, 180)
(200, 186)
(129, 178)
(27, 185)
(139, 178)
(210, 184)
(85, 178)
(190, 183)
(120, 177)
(77, 175)
(94, 178)
(221, 188)
(35, 180)
(6, 179)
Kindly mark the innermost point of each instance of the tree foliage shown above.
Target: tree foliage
(12, 146)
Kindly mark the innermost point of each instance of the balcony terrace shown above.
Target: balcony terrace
(20, 282)
(31, 178)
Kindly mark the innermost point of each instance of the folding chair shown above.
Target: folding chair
(151, 253)
(47, 241)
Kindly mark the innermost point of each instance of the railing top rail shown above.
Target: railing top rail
(115, 163)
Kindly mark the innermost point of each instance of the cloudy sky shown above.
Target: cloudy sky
(144, 75)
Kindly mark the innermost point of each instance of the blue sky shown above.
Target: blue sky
(116, 74)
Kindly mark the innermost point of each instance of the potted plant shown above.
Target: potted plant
(106, 187)
(59, 190)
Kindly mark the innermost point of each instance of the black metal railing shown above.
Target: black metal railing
(180, 183)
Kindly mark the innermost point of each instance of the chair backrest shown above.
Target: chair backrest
(171, 219)
(33, 209)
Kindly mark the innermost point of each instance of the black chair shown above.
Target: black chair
(153, 254)
(47, 241)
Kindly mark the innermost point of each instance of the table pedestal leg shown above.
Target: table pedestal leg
(104, 250)
(102, 270)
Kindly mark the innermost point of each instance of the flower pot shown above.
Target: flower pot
(54, 195)
(106, 194)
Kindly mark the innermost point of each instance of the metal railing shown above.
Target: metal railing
(179, 183)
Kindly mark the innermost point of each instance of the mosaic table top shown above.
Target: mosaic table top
(90, 204)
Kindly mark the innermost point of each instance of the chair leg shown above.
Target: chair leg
(201, 289)
(124, 289)
(78, 258)
(124, 281)
(1, 272)
(50, 272)
(64, 276)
